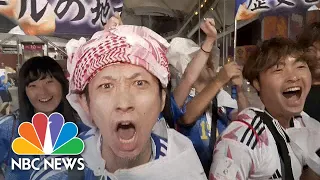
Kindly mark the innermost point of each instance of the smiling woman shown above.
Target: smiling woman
(41, 88)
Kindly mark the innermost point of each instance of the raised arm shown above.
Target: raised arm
(195, 67)
(198, 105)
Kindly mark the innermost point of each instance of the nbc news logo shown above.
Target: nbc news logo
(48, 136)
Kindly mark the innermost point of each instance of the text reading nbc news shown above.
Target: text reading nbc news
(57, 164)
(49, 142)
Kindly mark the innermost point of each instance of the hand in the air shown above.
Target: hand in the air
(208, 27)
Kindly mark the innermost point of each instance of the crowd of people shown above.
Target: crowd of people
(6, 81)
(136, 125)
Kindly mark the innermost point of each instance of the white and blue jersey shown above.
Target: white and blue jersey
(170, 152)
(199, 132)
(173, 158)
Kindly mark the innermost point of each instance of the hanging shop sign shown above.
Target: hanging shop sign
(59, 17)
(248, 9)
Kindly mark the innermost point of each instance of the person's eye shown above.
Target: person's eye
(106, 86)
(278, 69)
(31, 85)
(302, 66)
(141, 83)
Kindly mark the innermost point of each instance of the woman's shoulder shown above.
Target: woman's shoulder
(8, 131)
(8, 125)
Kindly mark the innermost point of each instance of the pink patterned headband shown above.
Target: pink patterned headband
(125, 44)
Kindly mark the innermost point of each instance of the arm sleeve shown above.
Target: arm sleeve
(176, 111)
(232, 160)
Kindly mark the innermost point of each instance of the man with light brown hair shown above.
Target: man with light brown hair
(271, 143)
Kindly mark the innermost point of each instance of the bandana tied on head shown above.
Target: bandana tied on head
(125, 44)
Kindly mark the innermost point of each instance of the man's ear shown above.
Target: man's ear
(84, 103)
(256, 85)
(163, 99)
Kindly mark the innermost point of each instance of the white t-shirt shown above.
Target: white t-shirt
(243, 154)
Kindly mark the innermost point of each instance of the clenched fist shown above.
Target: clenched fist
(208, 27)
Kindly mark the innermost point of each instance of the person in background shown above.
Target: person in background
(197, 119)
(121, 97)
(264, 144)
(191, 70)
(42, 87)
(4, 92)
(310, 41)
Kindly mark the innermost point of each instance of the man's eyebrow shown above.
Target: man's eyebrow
(108, 78)
(135, 75)
(299, 59)
(280, 63)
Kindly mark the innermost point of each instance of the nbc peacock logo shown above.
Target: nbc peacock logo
(47, 136)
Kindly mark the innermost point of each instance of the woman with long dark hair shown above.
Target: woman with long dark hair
(42, 87)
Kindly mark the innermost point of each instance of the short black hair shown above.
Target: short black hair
(36, 68)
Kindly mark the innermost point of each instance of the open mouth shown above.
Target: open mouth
(126, 132)
(44, 100)
(292, 93)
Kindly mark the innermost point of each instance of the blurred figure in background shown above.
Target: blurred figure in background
(199, 87)
(4, 92)
(208, 105)
(310, 41)
(188, 69)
